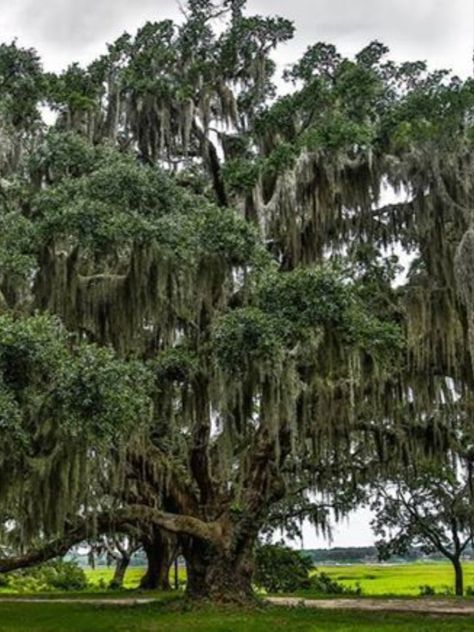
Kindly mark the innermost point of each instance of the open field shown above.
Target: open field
(172, 618)
(375, 580)
(402, 579)
(102, 576)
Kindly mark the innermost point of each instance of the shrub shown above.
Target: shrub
(67, 576)
(4, 580)
(325, 585)
(427, 591)
(57, 575)
(280, 569)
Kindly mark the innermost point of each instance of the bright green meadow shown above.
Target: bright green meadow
(400, 579)
(375, 580)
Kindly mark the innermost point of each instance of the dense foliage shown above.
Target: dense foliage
(53, 576)
(281, 569)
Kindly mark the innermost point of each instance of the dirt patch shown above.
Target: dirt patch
(426, 606)
(420, 606)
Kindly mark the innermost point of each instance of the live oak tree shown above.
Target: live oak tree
(221, 260)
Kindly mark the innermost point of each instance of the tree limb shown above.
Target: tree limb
(94, 525)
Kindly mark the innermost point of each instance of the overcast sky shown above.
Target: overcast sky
(439, 31)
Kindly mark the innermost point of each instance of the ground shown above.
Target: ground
(173, 618)
(171, 614)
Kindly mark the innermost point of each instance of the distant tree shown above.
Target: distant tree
(118, 550)
(342, 554)
(431, 507)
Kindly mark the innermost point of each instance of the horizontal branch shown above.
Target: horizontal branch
(107, 522)
(57, 547)
(174, 523)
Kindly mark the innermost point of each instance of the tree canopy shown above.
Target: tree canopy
(203, 314)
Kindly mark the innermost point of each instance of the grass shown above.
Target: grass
(102, 576)
(173, 618)
(171, 615)
(403, 580)
(400, 580)
(375, 580)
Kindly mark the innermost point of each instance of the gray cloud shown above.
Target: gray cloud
(68, 30)
(72, 23)
(437, 30)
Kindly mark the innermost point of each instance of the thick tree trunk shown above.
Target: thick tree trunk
(120, 570)
(221, 567)
(219, 574)
(458, 577)
(159, 551)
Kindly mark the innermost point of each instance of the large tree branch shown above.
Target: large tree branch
(74, 534)
(107, 522)
(264, 483)
(174, 523)
(149, 468)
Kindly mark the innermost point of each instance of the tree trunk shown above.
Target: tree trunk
(219, 574)
(158, 549)
(459, 578)
(120, 570)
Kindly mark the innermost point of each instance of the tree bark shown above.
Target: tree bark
(220, 568)
(159, 550)
(458, 577)
(120, 569)
(220, 572)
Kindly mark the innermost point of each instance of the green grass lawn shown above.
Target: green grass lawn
(166, 618)
(171, 615)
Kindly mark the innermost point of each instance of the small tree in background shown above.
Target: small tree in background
(431, 507)
(118, 551)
